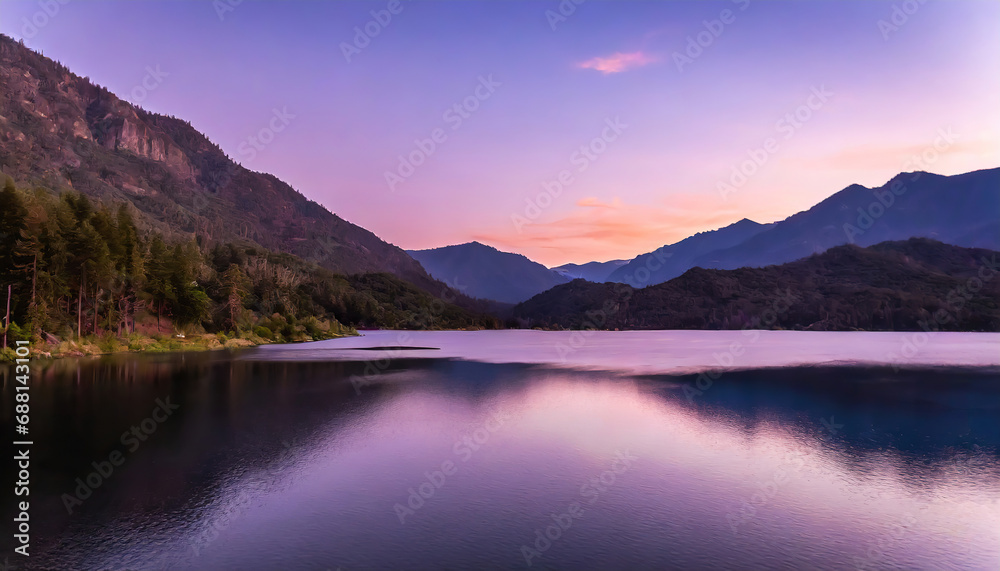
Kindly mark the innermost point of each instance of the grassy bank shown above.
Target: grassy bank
(139, 343)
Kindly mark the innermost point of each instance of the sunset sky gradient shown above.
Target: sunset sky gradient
(690, 121)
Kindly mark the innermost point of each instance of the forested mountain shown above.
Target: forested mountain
(115, 219)
(62, 132)
(902, 286)
(79, 268)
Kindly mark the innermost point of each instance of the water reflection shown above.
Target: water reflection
(285, 465)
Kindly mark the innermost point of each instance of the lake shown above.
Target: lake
(523, 449)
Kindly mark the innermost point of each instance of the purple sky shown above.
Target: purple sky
(879, 94)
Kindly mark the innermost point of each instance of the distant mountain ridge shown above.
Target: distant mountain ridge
(912, 285)
(674, 259)
(962, 210)
(482, 271)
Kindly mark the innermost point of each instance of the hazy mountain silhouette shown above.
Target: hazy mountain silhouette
(962, 210)
(591, 271)
(482, 271)
(674, 259)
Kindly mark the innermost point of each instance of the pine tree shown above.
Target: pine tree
(12, 222)
(158, 277)
(235, 286)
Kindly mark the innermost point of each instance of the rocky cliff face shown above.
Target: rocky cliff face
(61, 131)
(133, 136)
(46, 106)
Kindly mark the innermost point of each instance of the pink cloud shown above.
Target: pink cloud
(618, 62)
(594, 202)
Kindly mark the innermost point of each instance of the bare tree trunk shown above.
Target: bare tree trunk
(79, 312)
(6, 323)
(97, 300)
(34, 278)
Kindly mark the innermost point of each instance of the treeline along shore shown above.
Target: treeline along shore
(81, 277)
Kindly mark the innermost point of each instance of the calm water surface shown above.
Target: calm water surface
(319, 457)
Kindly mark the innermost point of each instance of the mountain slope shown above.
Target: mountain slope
(591, 271)
(61, 131)
(902, 286)
(674, 259)
(482, 271)
(962, 210)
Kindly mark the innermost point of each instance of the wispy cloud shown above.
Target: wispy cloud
(617, 62)
(594, 202)
(893, 157)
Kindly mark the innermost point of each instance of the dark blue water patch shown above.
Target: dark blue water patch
(927, 413)
(305, 468)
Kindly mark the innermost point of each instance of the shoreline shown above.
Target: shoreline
(140, 344)
(661, 351)
(163, 344)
